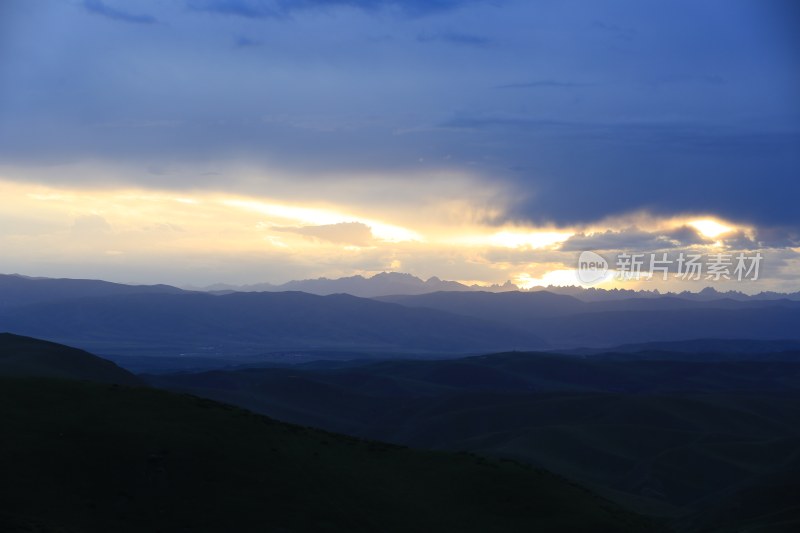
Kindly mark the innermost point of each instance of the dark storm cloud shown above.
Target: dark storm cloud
(605, 109)
(634, 239)
(464, 39)
(684, 134)
(778, 236)
(246, 42)
(625, 34)
(275, 8)
(740, 171)
(552, 84)
(686, 236)
(100, 8)
(740, 241)
(238, 8)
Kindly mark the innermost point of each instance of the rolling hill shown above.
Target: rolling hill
(17, 290)
(24, 356)
(670, 436)
(88, 454)
(564, 321)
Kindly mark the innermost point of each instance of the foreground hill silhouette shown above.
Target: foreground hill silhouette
(25, 356)
(82, 456)
(662, 433)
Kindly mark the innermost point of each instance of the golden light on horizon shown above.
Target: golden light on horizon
(558, 278)
(707, 225)
(117, 226)
(530, 239)
(319, 216)
(516, 238)
(710, 228)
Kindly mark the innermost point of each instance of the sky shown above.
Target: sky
(244, 141)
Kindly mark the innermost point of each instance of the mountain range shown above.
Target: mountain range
(396, 283)
(383, 284)
(126, 321)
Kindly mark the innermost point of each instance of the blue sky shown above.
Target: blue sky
(444, 119)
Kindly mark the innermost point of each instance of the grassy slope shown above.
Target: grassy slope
(25, 356)
(768, 504)
(682, 435)
(93, 457)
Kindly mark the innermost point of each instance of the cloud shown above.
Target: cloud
(239, 8)
(686, 236)
(246, 42)
(634, 239)
(259, 9)
(353, 103)
(463, 39)
(619, 32)
(784, 236)
(479, 122)
(740, 241)
(148, 235)
(347, 233)
(710, 79)
(99, 8)
(91, 225)
(411, 7)
(544, 84)
(662, 165)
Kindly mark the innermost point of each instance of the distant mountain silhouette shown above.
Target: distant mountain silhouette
(382, 284)
(510, 307)
(568, 322)
(111, 318)
(208, 324)
(24, 356)
(396, 283)
(595, 294)
(16, 290)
